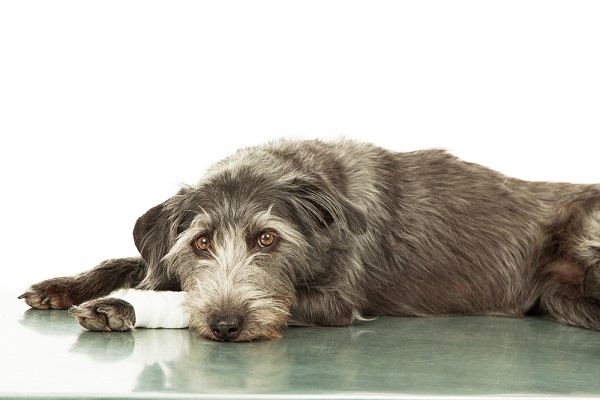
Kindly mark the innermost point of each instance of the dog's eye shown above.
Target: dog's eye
(202, 243)
(266, 239)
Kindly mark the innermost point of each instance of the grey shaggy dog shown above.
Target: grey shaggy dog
(327, 233)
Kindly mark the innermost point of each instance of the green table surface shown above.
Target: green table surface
(45, 354)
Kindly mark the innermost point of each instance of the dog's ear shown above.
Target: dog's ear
(154, 234)
(327, 205)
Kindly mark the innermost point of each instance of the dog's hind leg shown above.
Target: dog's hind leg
(586, 249)
(64, 292)
(572, 284)
(572, 310)
(591, 282)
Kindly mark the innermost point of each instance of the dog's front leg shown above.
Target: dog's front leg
(321, 307)
(105, 314)
(64, 292)
(125, 310)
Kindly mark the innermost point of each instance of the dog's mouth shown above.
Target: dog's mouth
(238, 306)
(231, 326)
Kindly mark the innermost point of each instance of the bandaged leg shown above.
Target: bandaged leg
(155, 309)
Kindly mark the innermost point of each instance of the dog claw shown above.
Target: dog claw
(46, 300)
(24, 295)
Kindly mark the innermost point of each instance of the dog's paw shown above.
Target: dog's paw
(53, 293)
(105, 314)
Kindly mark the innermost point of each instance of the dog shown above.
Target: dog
(311, 232)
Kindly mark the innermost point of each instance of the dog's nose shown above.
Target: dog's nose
(226, 326)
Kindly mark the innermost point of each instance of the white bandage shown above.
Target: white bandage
(154, 309)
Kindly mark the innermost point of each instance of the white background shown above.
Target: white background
(105, 107)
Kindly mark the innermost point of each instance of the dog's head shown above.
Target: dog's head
(242, 241)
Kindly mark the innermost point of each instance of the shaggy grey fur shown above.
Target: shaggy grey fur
(353, 231)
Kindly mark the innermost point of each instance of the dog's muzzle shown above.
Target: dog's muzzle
(226, 326)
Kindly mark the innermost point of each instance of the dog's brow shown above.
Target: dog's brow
(262, 218)
(201, 219)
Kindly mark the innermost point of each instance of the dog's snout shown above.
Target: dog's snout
(226, 326)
